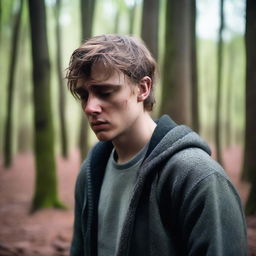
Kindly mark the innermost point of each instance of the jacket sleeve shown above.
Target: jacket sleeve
(77, 244)
(212, 219)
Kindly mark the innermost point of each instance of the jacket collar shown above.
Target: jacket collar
(164, 124)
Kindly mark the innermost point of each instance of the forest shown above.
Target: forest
(206, 53)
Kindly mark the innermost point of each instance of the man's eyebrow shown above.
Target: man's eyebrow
(80, 89)
(104, 86)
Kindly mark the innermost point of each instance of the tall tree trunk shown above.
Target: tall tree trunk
(194, 80)
(46, 193)
(176, 91)
(150, 24)
(207, 96)
(1, 20)
(229, 98)
(132, 17)
(219, 81)
(25, 128)
(62, 100)
(116, 22)
(87, 13)
(249, 167)
(8, 143)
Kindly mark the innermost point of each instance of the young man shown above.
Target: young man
(147, 188)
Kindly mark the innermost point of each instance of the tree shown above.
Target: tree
(8, 143)
(1, 15)
(194, 81)
(249, 165)
(219, 80)
(229, 94)
(87, 12)
(46, 194)
(62, 100)
(150, 24)
(176, 90)
(132, 10)
(24, 97)
(116, 21)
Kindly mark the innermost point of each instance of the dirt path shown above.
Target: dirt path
(48, 232)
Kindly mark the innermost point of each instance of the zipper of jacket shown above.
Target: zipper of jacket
(90, 210)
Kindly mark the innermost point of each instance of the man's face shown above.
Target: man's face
(110, 105)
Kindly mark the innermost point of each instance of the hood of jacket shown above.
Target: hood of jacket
(170, 138)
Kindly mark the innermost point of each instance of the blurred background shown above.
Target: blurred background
(206, 51)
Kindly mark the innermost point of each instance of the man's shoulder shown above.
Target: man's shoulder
(192, 171)
(197, 159)
(191, 166)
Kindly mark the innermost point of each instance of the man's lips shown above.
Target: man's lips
(99, 125)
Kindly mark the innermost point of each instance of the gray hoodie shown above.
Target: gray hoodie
(183, 203)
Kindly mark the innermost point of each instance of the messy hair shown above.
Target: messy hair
(117, 53)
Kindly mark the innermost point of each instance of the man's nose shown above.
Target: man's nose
(92, 105)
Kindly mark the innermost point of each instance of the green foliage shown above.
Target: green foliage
(207, 83)
(6, 13)
(110, 9)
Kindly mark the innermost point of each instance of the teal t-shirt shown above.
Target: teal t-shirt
(115, 194)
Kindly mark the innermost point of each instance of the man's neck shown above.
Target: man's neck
(129, 144)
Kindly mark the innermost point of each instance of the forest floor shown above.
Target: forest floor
(48, 232)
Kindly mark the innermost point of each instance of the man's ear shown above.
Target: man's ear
(144, 88)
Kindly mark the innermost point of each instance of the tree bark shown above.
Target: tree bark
(219, 87)
(62, 99)
(194, 80)
(176, 90)
(116, 22)
(229, 97)
(87, 13)
(1, 20)
(24, 101)
(150, 24)
(132, 11)
(46, 193)
(249, 166)
(8, 142)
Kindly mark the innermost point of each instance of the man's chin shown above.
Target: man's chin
(103, 136)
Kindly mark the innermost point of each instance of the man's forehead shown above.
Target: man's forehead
(100, 75)
(101, 71)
